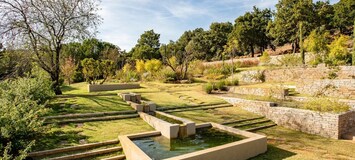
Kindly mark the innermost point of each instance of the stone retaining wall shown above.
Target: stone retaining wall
(276, 91)
(323, 124)
(342, 88)
(349, 102)
(300, 74)
(111, 87)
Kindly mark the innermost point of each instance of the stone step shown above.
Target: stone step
(200, 108)
(82, 120)
(252, 123)
(72, 148)
(88, 154)
(242, 120)
(193, 106)
(84, 115)
(119, 157)
(261, 127)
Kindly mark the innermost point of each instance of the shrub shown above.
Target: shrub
(127, 67)
(326, 105)
(197, 67)
(140, 66)
(153, 65)
(233, 82)
(78, 77)
(208, 88)
(246, 63)
(166, 75)
(338, 51)
(221, 85)
(214, 73)
(128, 76)
(290, 60)
(21, 105)
(265, 58)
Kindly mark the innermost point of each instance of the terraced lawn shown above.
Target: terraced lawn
(283, 143)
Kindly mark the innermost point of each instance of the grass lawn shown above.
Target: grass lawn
(283, 143)
(72, 134)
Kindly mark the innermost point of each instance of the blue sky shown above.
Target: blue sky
(125, 20)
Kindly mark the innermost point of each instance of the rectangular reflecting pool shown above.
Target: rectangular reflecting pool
(159, 147)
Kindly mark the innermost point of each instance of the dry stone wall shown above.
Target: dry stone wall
(300, 74)
(342, 88)
(275, 91)
(323, 124)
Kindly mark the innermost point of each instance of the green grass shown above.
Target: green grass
(283, 143)
(71, 134)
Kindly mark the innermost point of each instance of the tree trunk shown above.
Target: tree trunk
(252, 50)
(55, 83)
(301, 43)
(55, 75)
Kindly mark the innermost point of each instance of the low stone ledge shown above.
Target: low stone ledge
(111, 87)
(252, 146)
(168, 130)
(190, 126)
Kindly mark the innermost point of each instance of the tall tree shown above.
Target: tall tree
(250, 29)
(46, 25)
(147, 47)
(324, 13)
(344, 14)
(287, 18)
(216, 38)
(353, 56)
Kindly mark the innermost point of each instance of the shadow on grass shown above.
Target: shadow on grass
(67, 88)
(84, 95)
(274, 153)
(57, 139)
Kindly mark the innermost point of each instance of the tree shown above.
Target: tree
(68, 69)
(301, 43)
(324, 13)
(317, 43)
(353, 57)
(147, 47)
(250, 30)
(216, 38)
(107, 68)
(344, 14)
(285, 27)
(45, 26)
(176, 59)
(14, 63)
(91, 70)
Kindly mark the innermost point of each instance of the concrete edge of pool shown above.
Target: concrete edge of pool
(253, 145)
